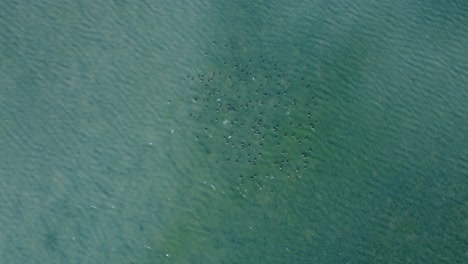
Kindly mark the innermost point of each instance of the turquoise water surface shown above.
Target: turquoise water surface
(233, 132)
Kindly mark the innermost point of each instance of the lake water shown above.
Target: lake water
(233, 132)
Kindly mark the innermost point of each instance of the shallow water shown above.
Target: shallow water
(232, 132)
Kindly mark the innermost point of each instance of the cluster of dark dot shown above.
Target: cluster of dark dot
(255, 116)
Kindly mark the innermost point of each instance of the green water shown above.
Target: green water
(233, 132)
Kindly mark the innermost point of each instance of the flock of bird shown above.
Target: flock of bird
(254, 116)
